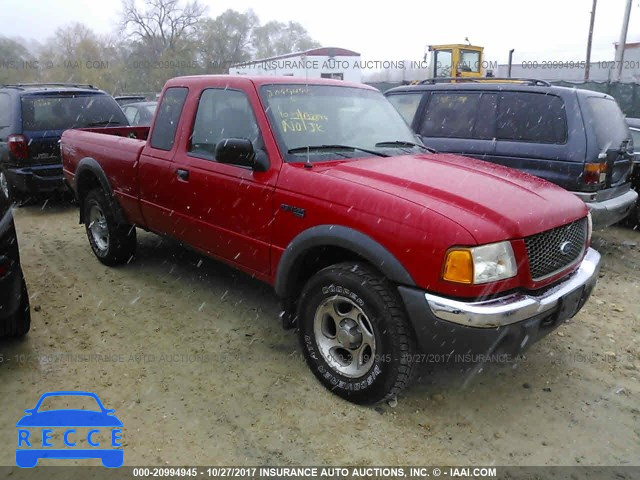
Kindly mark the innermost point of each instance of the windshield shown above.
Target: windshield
(70, 111)
(309, 119)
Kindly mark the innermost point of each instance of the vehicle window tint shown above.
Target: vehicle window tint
(130, 112)
(407, 104)
(469, 61)
(485, 124)
(443, 60)
(531, 117)
(63, 111)
(608, 122)
(635, 135)
(450, 115)
(5, 110)
(222, 114)
(164, 130)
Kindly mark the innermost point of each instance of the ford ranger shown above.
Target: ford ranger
(379, 248)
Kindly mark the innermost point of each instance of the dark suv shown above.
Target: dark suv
(574, 138)
(32, 118)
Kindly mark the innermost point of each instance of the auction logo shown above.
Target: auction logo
(45, 433)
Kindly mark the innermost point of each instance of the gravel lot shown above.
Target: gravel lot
(191, 356)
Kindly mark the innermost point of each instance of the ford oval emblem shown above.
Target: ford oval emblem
(565, 248)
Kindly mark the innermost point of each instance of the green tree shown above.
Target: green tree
(17, 64)
(277, 38)
(75, 54)
(226, 40)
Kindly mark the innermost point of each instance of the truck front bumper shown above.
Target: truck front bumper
(503, 325)
(37, 179)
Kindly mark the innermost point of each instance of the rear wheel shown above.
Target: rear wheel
(7, 189)
(112, 243)
(354, 333)
(18, 325)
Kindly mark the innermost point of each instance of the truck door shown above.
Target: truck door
(225, 210)
(155, 172)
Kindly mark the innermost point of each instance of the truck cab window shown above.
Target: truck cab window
(443, 62)
(222, 114)
(164, 131)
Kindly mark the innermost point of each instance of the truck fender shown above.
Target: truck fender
(342, 237)
(90, 167)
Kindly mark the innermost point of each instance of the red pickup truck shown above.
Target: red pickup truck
(381, 250)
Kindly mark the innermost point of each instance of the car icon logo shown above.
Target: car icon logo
(102, 438)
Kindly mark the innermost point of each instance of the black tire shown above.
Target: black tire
(347, 291)
(7, 190)
(115, 244)
(19, 324)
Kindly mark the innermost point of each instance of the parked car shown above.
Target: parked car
(634, 128)
(32, 118)
(140, 113)
(15, 312)
(574, 138)
(319, 188)
(127, 99)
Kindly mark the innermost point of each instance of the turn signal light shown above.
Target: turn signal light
(595, 173)
(458, 266)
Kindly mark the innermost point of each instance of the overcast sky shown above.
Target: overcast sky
(537, 30)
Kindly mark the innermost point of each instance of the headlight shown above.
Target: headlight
(477, 265)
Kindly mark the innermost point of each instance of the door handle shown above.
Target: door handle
(182, 174)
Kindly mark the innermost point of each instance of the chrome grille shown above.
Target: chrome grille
(552, 251)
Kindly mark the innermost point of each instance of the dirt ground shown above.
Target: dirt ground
(191, 356)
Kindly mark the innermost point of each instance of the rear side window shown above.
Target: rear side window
(5, 110)
(531, 117)
(450, 115)
(166, 124)
(63, 111)
(407, 104)
(635, 134)
(608, 122)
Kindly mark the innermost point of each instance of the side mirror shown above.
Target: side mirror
(239, 151)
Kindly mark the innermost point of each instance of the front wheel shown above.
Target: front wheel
(112, 243)
(354, 333)
(18, 324)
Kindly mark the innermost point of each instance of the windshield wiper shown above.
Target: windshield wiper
(315, 148)
(403, 143)
(103, 122)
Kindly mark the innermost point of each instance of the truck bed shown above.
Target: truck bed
(117, 156)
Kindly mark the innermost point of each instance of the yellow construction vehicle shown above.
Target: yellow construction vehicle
(455, 60)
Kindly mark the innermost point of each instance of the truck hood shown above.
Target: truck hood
(491, 202)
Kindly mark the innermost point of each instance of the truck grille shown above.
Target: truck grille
(552, 251)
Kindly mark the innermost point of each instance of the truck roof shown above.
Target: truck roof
(240, 80)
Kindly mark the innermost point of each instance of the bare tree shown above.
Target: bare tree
(161, 24)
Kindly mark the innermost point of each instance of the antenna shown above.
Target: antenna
(308, 164)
